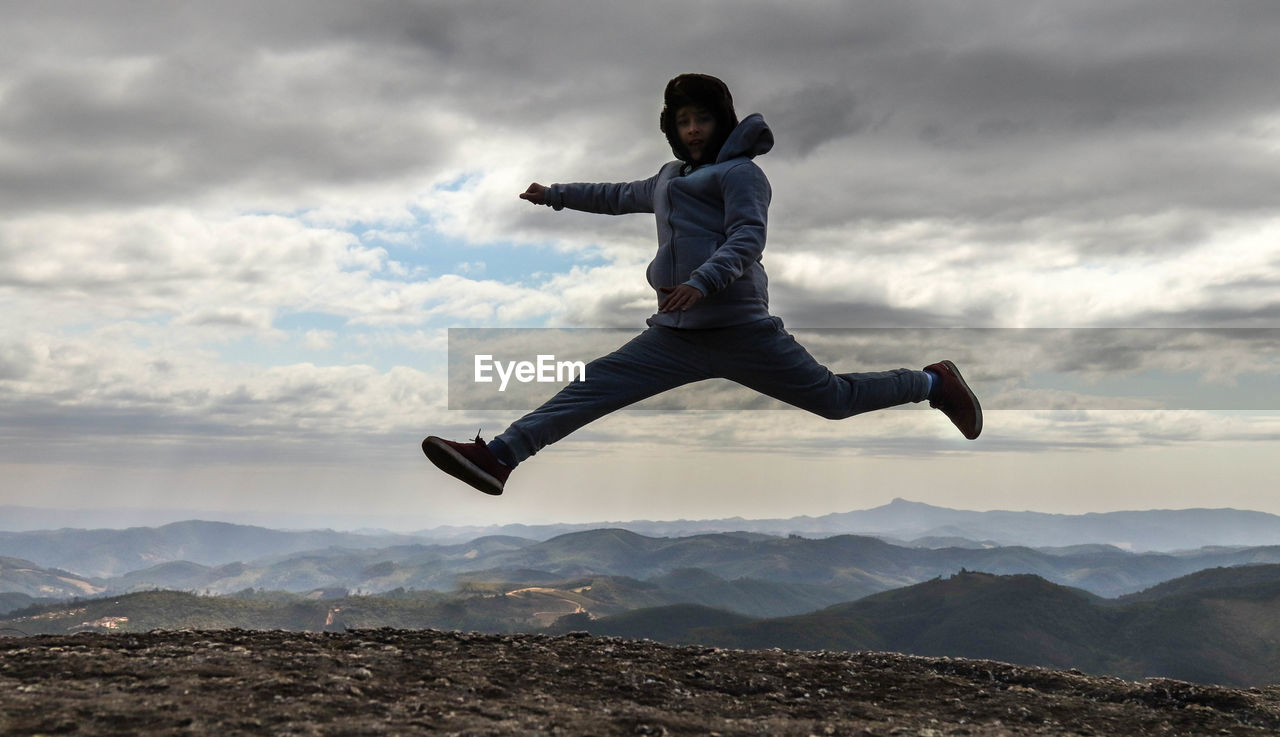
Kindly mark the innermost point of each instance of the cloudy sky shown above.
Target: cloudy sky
(234, 237)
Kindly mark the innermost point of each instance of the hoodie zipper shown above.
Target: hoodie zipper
(671, 228)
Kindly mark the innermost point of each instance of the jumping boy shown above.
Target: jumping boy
(713, 319)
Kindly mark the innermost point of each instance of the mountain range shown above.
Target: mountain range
(1190, 594)
(1220, 626)
(900, 521)
(789, 574)
(1216, 626)
(923, 525)
(109, 552)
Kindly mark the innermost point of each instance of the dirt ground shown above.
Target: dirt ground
(400, 682)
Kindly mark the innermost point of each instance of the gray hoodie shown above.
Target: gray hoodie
(711, 227)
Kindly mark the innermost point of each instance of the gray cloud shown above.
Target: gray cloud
(980, 111)
(1263, 315)
(808, 311)
(131, 107)
(16, 361)
(812, 116)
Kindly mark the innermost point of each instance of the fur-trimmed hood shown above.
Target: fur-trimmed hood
(699, 90)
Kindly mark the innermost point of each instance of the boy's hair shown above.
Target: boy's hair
(699, 90)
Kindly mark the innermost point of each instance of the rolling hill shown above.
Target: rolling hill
(1189, 630)
(106, 553)
(113, 552)
(1225, 633)
(19, 576)
(924, 525)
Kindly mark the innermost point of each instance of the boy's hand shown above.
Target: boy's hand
(536, 193)
(678, 298)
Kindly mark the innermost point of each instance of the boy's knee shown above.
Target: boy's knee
(833, 413)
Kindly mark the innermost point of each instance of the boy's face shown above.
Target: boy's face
(695, 126)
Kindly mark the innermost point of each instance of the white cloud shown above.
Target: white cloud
(319, 340)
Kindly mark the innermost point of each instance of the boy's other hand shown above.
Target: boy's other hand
(536, 193)
(678, 298)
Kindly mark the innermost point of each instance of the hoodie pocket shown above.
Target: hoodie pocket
(690, 253)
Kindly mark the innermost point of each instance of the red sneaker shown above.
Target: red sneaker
(472, 463)
(952, 395)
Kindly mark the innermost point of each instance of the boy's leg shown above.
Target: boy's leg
(657, 360)
(765, 357)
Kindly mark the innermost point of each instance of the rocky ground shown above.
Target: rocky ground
(401, 682)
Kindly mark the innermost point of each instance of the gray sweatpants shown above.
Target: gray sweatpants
(760, 355)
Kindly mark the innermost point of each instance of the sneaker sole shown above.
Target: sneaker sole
(977, 407)
(456, 465)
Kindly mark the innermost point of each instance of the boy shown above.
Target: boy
(713, 320)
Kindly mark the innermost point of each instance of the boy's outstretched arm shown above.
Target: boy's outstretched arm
(605, 198)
